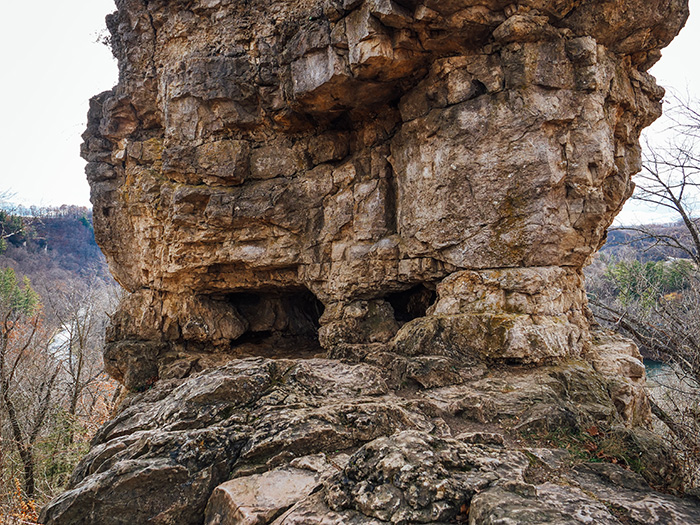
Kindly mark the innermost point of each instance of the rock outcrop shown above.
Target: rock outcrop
(353, 233)
(258, 163)
(320, 441)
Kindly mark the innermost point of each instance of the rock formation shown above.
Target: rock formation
(349, 230)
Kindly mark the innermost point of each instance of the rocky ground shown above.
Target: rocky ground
(401, 440)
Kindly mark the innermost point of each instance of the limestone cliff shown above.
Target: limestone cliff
(258, 159)
(359, 222)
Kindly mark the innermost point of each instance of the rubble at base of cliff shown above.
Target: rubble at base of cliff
(322, 441)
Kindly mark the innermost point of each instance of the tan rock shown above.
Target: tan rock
(260, 498)
(358, 152)
(619, 360)
(414, 186)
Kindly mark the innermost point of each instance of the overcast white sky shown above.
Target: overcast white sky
(52, 63)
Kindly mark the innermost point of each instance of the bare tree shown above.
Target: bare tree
(27, 371)
(53, 392)
(11, 225)
(670, 179)
(80, 311)
(657, 302)
(667, 326)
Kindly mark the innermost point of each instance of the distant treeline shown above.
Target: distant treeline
(51, 238)
(64, 211)
(650, 242)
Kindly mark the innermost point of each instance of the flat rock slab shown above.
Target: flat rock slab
(599, 493)
(260, 498)
(520, 503)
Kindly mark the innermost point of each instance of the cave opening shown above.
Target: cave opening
(280, 323)
(412, 303)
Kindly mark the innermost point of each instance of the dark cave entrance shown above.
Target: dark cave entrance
(280, 323)
(412, 303)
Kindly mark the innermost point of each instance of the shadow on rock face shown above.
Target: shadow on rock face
(153, 338)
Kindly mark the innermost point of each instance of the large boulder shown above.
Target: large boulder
(353, 234)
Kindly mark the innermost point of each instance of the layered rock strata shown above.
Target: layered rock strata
(258, 163)
(352, 232)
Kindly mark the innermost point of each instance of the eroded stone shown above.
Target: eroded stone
(355, 150)
(260, 498)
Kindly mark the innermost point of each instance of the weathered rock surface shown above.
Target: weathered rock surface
(322, 441)
(250, 171)
(352, 232)
(259, 498)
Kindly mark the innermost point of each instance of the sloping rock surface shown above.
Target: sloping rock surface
(322, 441)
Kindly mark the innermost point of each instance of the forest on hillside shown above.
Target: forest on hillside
(650, 292)
(55, 297)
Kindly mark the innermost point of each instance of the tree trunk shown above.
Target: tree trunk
(27, 457)
(25, 449)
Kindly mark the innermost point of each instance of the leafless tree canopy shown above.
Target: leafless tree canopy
(53, 392)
